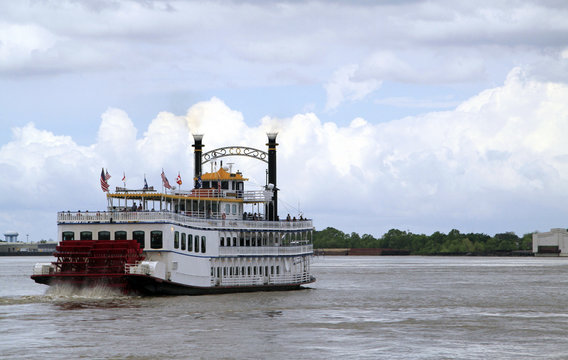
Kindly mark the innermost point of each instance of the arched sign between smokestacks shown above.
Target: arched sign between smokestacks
(234, 151)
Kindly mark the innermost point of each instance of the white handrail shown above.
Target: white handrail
(166, 217)
(266, 250)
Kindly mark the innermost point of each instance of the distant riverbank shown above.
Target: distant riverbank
(399, 252)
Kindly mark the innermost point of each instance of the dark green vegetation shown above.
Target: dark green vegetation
(419, 244)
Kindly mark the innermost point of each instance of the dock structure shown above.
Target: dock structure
(551, 243)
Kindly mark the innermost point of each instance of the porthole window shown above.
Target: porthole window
(203, 242)
(196, 243)
(189, 242)
(183, 241)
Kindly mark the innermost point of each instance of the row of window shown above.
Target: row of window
(266, 238)
(239, 271)
(156, 237)
(193, 242)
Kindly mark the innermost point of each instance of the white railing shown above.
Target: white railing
(301, 278)
(169, 217)
(266, 250)
(247, 196)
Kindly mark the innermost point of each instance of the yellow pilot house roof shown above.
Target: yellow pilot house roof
(222, 174)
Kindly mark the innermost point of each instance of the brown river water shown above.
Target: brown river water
(360, 308)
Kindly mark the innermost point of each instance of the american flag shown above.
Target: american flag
(178, 180)
(104, 184)
(107, 176)
(165, 181)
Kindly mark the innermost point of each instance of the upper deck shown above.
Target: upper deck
(249, 196)
(137, 217)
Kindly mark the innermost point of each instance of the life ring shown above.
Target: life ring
(224, 216)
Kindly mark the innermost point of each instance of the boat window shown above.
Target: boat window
(277, 269)
(234, 208)
(156, 239)
(234, 241)
(196, 244)
(189, 242)
(203, 241)
(86, 235)
(272, 270)
(68, 235)
(183, 241)
(176, 240)
(222, 241)
(104, 235)
(227, 208)
(139, 237)
(225, 185)
(266, 270)
(120, 235)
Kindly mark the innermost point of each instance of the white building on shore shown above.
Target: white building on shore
(551, 243)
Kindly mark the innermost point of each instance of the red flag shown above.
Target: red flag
(104, 184)
(178, 180)
(165, 181)
(123, 177)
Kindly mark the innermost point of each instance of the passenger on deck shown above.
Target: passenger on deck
(288, 218)
(294, 219)
(140, 207)
(134, 207)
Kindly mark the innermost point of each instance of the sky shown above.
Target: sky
(418, 115)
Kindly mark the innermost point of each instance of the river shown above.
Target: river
(360, 308)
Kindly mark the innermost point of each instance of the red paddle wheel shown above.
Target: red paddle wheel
(92, 262)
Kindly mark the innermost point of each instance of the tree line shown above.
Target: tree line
(438, 243)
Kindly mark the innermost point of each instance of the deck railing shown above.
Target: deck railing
(181, 219)
(265, 250)
(301, 278)
(246, 196)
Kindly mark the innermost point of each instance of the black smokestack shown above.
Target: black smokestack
(197, 156)
(273, 206)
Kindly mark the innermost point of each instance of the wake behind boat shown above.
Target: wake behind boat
(186, 242)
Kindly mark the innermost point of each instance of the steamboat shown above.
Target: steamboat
(200, 241)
